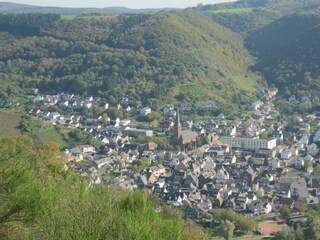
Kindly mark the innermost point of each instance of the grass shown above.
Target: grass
(233, 10)
(49, 135)
(190, 89)
(68, 17)
(9, 123)
(245, 83)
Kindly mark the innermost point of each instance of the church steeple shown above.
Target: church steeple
(177, 126)
(178, 118)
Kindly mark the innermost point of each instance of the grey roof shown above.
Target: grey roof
(188, 134)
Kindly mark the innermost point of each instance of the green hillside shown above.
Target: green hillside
(41, 199)
(288, 53)
(247, 16)
(9, 124)
(144, 55)
(283, 36)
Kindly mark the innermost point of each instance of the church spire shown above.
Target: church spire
(178, 118)
(177, 126)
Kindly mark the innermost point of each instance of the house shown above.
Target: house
(222, 174)
(124, 122)
(259, 207)
(299, 163)
(256, 105)
(145, 111)
(209, 104)
(191, 179)
(308, 157)
(88, 105)
(305, 100)
(286, 154)
(158, 170)
(63, 104)
(241, 203)
(248, 175)
(221, 116)
(99, 163)
(134, 132)
(275, 163)
(312, 149)
(151, 146)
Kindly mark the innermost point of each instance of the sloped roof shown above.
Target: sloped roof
(188, 134)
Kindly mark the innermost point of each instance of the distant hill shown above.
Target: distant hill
(181, 56)
(8, 7)
(247, 16)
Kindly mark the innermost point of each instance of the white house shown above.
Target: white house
(124, 122)
(55, 115)
(286, 154)
(275, 163)
(145, 111)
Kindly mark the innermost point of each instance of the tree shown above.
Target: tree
(195, 232)
(154, 124)
(260, 193)
(317, 169)
(154, 116)
(287, 234)
(299, 235)
(264, 135)
(266, 161)
(114, 113)
(105, 117)
(314, 228)
(308, 164)
(226, 229)
(285, 211)
(301, 206)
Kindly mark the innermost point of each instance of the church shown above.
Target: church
(182, 137)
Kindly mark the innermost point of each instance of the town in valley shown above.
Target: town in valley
(253, 164)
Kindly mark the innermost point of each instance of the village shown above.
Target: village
(250, 164)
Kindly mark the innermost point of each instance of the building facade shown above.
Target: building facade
(249, 143)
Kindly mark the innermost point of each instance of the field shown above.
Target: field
(48, 135)
(190, 89)
(245, 83)
(233, 10)
(68, 17)
(9, 123)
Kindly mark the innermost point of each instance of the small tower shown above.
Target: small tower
(177, 127)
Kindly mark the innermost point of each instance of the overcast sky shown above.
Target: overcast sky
(121, 3)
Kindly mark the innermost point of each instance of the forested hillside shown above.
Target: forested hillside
(177, 56)
(9, 7)
(282, 35)
(288, 53)
(170, 56)
(41, 199)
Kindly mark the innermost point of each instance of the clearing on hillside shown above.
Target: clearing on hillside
(9, 123)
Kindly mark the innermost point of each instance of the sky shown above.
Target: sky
(118, 3)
